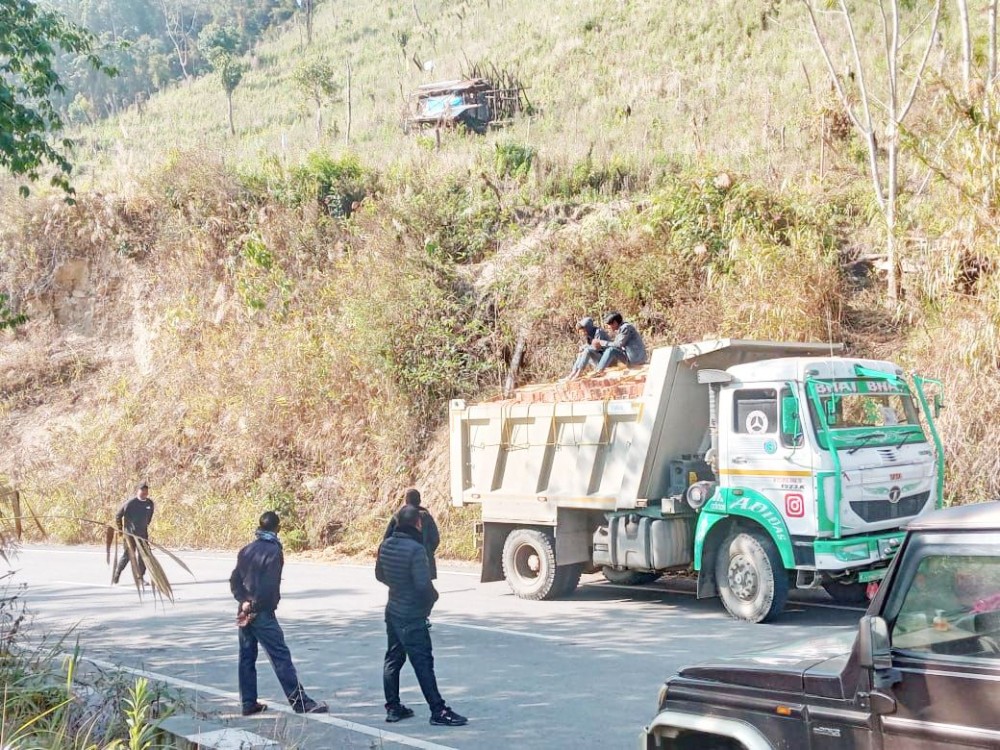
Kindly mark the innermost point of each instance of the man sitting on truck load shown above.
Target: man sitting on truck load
(626, 347)
(588, 353)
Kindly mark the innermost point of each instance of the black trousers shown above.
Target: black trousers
(123, 561)
(410, 638)
(265, 630)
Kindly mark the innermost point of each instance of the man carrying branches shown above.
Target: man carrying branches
(133, 520)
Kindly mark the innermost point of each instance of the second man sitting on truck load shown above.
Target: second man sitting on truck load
(626, 348)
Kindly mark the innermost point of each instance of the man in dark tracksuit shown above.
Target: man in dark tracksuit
(256, 585)
(402, 566)
(428, 529)
(133, 518)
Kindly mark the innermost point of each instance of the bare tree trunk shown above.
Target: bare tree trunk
(963, 22)
(232, 127)
(174, 26)
(897, 105)
(892, 173)
(510, 382)
(319, 121)
(309, 7)
(347, 133)
(993, 41)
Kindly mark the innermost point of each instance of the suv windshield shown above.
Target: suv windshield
(952, 607)
(864, 411)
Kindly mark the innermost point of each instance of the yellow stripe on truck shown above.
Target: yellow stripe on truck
(765, 473)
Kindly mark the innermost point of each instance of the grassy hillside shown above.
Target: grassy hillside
(272, 321)
(722, 78)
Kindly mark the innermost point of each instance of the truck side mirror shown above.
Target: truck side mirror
(873, 643)
(791, 425)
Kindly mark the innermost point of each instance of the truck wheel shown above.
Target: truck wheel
(752, 581)
(847, 593)
(628, 577)
(529, 564)
(567, 579)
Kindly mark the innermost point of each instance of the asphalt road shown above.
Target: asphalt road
(582, 673)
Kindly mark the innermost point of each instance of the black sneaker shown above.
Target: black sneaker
(311, 707)
(448, 718)
(397, 713)
(256, 708)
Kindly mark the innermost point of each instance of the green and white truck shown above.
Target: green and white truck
(762, 465)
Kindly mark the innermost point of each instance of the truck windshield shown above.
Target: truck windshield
(865, 412)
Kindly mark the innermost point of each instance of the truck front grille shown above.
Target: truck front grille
(874, 511)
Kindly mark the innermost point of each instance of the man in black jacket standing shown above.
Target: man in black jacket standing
(428, 529)
(256, 585)
(133, 519)
(402, 566)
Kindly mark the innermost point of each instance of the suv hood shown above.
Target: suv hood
(781, 667)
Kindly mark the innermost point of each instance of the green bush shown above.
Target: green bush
(512, 159)
(338, 185)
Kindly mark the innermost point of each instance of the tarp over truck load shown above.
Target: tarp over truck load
(595, 454)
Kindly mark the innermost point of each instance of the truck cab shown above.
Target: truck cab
(828, 455)
(922, 670)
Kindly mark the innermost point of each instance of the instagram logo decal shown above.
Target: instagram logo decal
(795, 505)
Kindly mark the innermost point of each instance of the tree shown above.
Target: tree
(992, 40)
(213, 39)
(963, 22)
(314, 78)
(230, 70)
(179, 23)
(29, 40)
(308, 9)
(880, 114)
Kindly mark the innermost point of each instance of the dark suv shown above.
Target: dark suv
(923, 670)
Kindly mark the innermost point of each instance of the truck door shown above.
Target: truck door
(944, 622)
(764, 450)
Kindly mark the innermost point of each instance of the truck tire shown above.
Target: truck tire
(752, 581)
(529, 564)
(567, 579)
(629, 577)
(847, 593)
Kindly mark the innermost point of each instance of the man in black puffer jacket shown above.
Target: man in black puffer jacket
(256, 585)
(402, 566)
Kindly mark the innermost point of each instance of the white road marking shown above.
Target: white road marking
(503, 631)
(351, 726)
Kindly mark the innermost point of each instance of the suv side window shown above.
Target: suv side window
(952, 608)
(755, 411)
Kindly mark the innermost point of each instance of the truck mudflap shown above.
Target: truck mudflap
(853, 552)
(711, 726)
